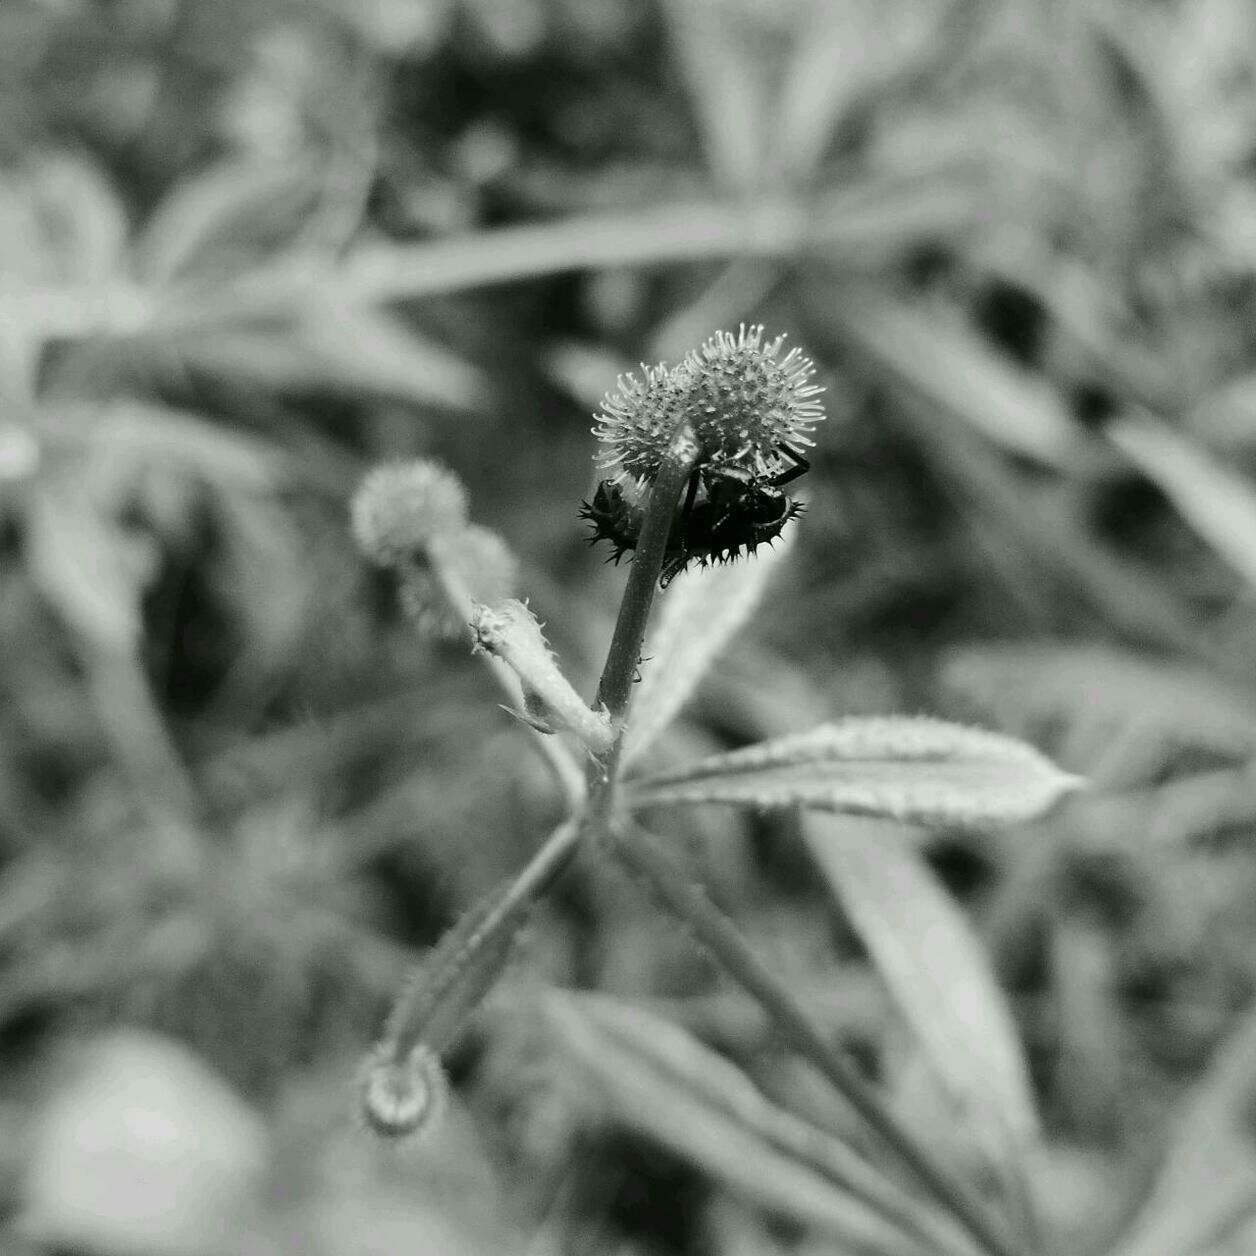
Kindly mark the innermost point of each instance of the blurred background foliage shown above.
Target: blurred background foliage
(250, 247)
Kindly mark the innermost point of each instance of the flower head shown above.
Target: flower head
(402, 507)
(744, 401)
(637, 421)
(739, 397)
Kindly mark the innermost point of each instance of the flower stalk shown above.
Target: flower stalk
(624, 654)
(720, 433)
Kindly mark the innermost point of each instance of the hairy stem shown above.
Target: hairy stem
(456, 978)
(643, 575)
(640, 852)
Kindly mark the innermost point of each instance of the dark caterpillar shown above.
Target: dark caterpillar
(736, 515)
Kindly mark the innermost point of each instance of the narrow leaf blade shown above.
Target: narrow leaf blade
(1216, 501)
(658, 1078)
(703, 610)
(938, 974)
(920, 771)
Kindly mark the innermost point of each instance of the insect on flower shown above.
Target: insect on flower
(726, 512)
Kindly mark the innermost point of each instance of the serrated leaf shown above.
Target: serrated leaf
(917, 770)
(938, 974)
(702, 610)
(661, 1080)
(1207, 1181)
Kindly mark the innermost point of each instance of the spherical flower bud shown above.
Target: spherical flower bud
(740, 398)
(637, 422)
(402, 1098)
(402, 507)
(744, 401)
(473, 559)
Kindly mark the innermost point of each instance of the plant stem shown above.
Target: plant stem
(464, 966)
(564, 767)
(589, 801)
(643, 575)
(640, 852)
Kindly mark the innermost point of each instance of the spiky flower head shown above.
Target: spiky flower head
(402, 507)
(741, 399)
(637, 421)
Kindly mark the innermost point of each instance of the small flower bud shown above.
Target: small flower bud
(400, 1098)
(510, 632)
(403, 507)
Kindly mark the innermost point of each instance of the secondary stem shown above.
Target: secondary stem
(640, 852)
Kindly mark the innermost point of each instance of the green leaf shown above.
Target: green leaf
(225, 220)
(700, 613)
(938, 974)
(337, 345)
(840, 55)
(1215, 500)
(935, 355)
(1146, 709)
(921, 771)
(83, 565)
(723, 68)
(661, 1080)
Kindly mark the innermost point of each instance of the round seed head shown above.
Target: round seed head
(400, 1099)
(744, 400)
(637, 421)
(402, 507)
(740, 398)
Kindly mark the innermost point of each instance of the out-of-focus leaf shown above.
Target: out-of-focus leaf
(225, 220)
(361, 347)
(1225, 419)
(937, 972)
(920, 771)
(336, 346)
(689, 231)
(941, 360)
(841, 53)
(1216, 501)
(880, 217)
(1207, 1182)
(156, 435)
(724, 70)
(83, 565)
(703, 609)
(1101, 697)
(661, 1080)
(62, 224)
